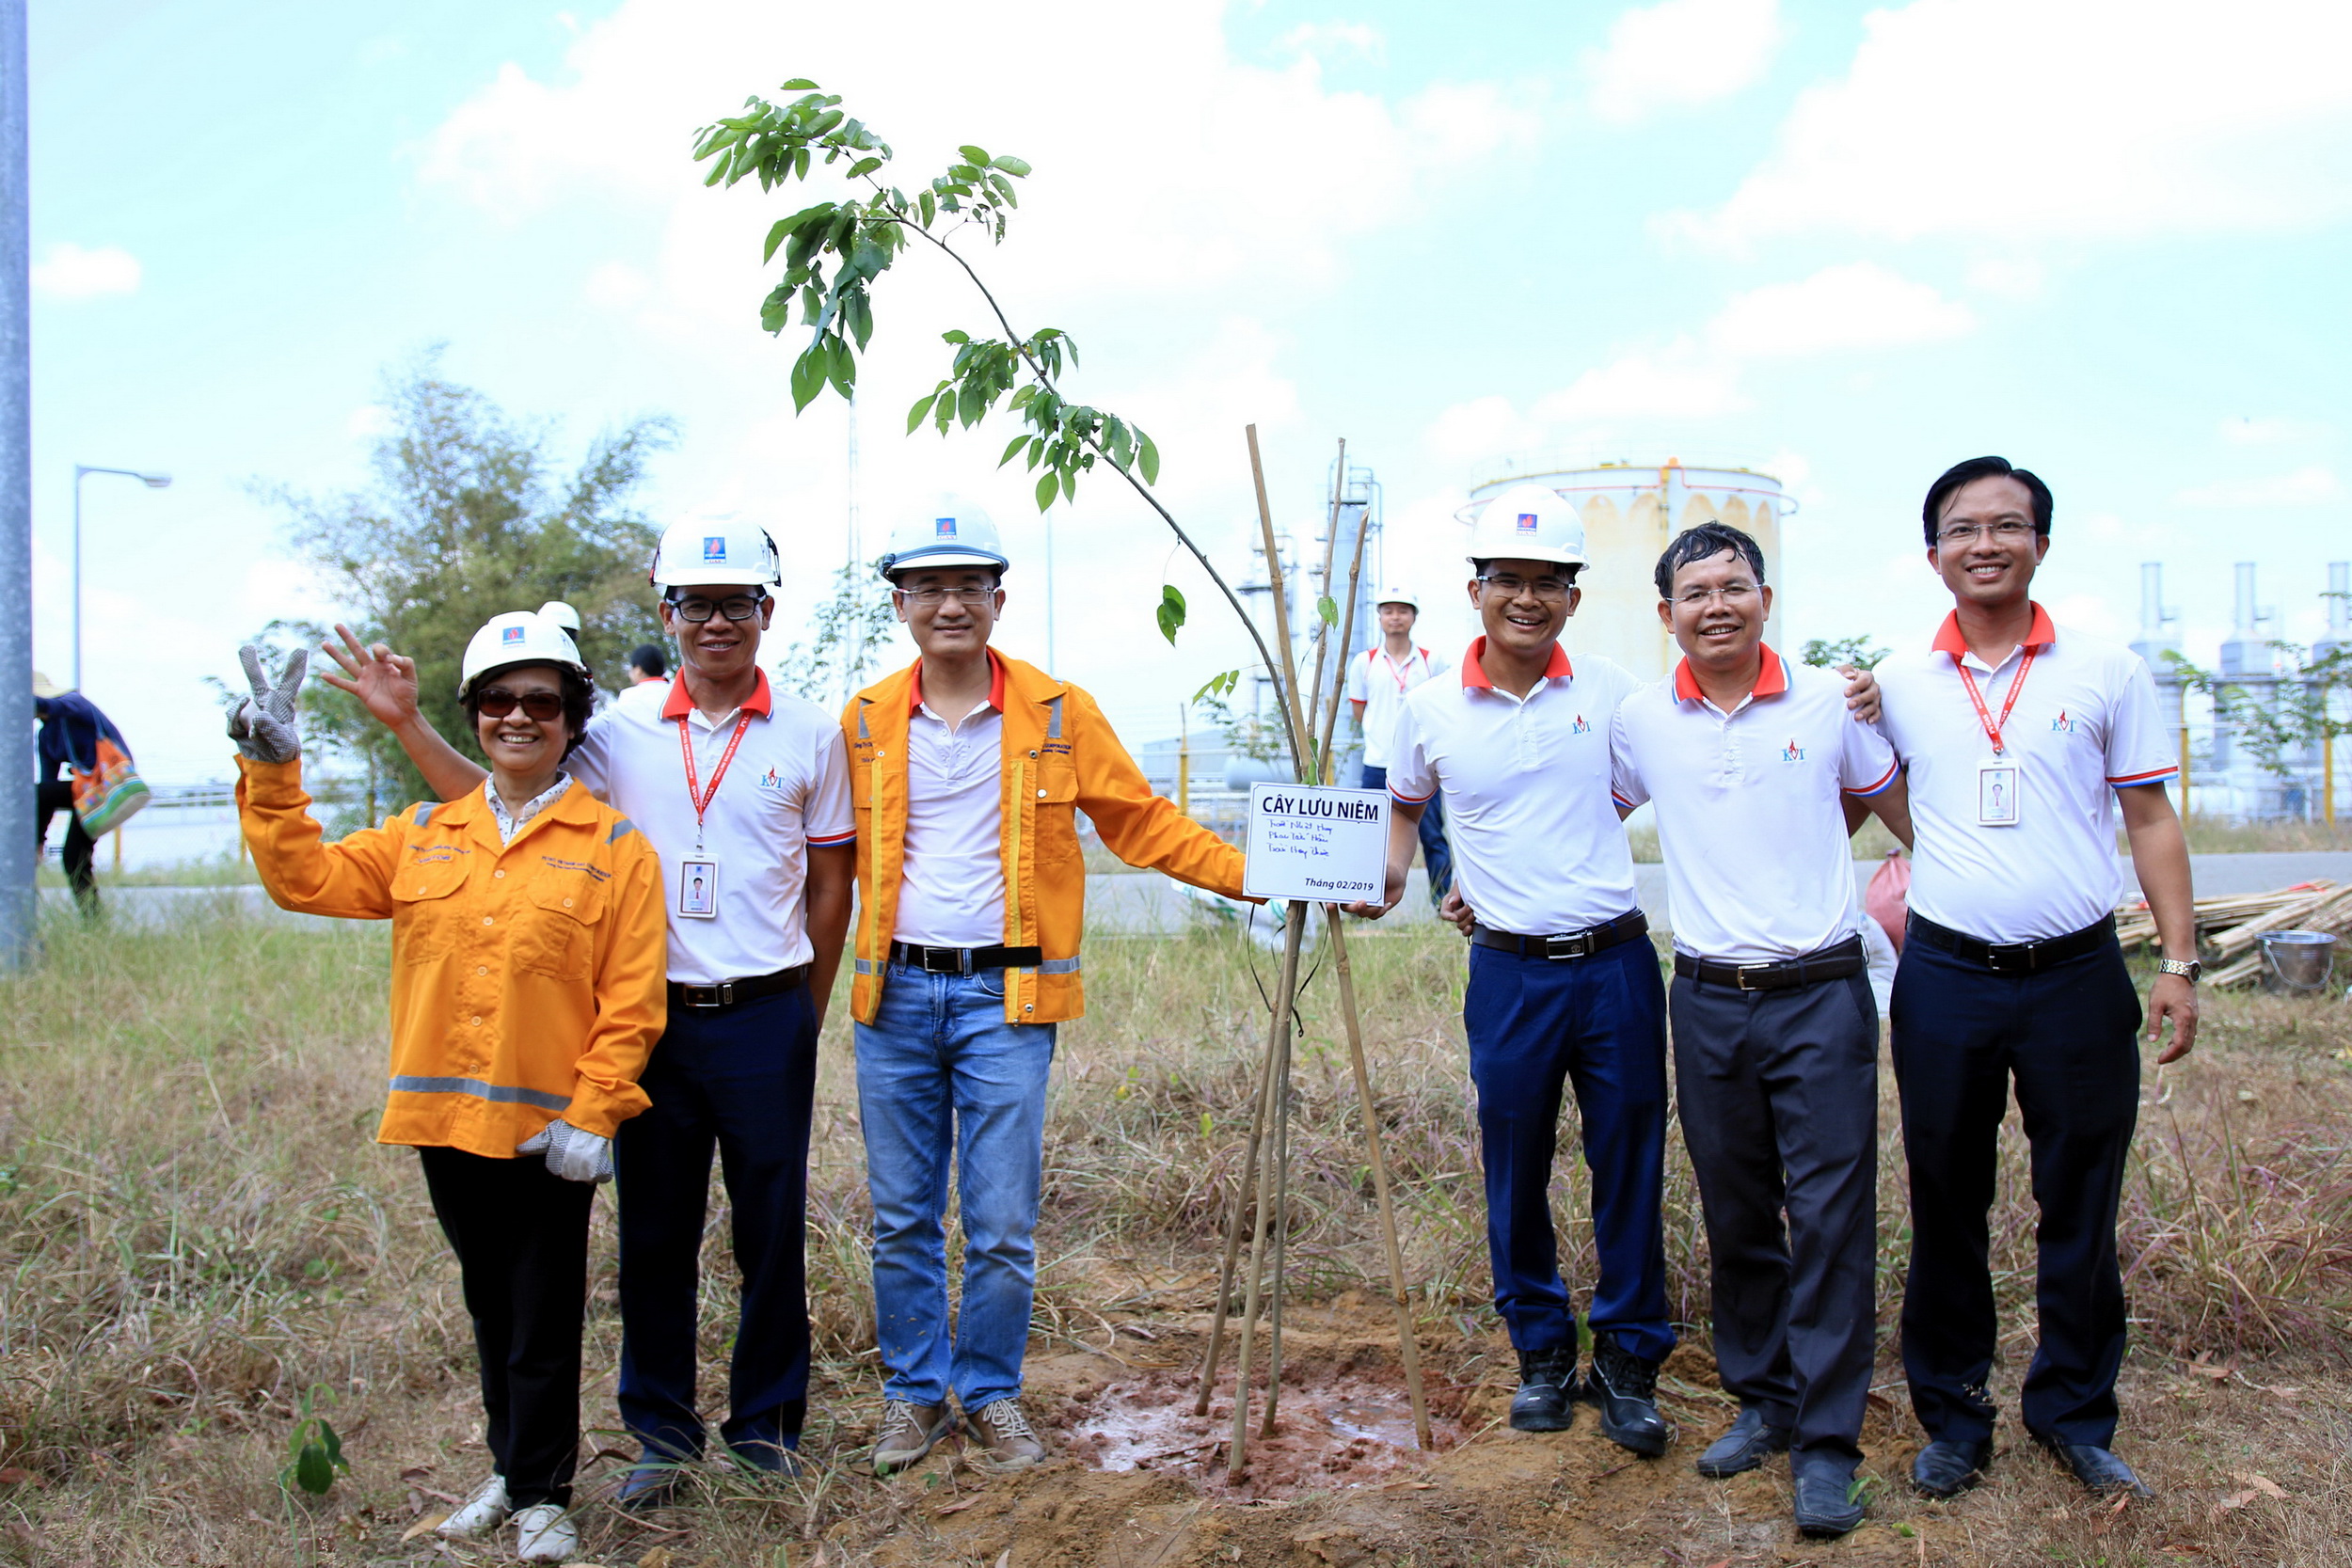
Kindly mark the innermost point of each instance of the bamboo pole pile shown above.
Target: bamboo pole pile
(2230, 929)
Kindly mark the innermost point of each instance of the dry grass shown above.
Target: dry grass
(195, 1229)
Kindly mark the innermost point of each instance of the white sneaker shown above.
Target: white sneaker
(478, 1515)
(545, 1533)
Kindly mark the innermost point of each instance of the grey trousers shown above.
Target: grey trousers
(1778, 1096)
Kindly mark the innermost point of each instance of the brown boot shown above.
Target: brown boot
(1007, 1441)
(908, 1433)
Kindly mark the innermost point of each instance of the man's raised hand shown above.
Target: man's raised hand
(263, 724)
(385, 682)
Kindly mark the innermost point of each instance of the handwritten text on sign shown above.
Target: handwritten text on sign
(1327, 844)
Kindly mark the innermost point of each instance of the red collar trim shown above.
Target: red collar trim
(1948, 640)
(996, 683)
(678, 704)
(1474, 672)
(1770, 683)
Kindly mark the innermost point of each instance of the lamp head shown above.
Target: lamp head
(156, 482)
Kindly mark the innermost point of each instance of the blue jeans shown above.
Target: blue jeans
(1436, 853)
(1535, 1025)
(939, 1074)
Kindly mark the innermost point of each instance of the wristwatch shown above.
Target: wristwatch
(2188, 969)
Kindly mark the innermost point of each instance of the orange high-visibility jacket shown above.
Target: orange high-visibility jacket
(1059, 757)
(528, 978)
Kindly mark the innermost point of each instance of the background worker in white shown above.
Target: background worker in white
(1376, 686)
(747, 790)
(1750, 761)
(2012, 969)
(970, 769)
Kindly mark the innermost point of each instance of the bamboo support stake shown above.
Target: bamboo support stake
(1242, 1190)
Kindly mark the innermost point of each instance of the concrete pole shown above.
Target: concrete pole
(18, 937)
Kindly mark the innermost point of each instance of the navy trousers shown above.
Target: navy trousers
(1436, 853)
(1600, 1024)
(740, 1081)
(2068, 1035)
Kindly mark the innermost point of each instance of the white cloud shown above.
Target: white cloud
(1333, 40)
(1481, 428)
(1680, 53)
(1641, 385)
(2028, 119)
(2306, 486)
(2247, 432)
(2006, 277)
(70, 272)
(1857, 306)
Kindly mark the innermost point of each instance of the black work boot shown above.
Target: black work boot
(1546, 1401)
(1625, 1387)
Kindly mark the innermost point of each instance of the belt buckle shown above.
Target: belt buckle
(959, 965)
(1743, 971)
(720, 995)
(2018, 959)
(1578, 946)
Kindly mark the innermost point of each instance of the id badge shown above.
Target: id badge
(698, 888)
(1997, 789)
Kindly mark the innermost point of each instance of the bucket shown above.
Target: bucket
(2296, 961)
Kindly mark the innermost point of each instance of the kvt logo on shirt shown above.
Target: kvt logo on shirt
(1581, 727)
(771, 780)
(1792, 753)
(2061, 724)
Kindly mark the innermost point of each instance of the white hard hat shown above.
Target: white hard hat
(952, 532)
(703, 552)
(1529, 522)
(1398, 596)
(517, 637)
(561, 614)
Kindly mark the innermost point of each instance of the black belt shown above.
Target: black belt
(2013, 957)
(963, 961)
(728, 994)
(1840, 963)
(1567, 944)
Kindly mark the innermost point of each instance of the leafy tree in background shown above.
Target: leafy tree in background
(2299, 711)
(848, 632)
(469, 516)
(1832, 653)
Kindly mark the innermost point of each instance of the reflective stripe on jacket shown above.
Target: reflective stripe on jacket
(527, 978)
(1061, 757)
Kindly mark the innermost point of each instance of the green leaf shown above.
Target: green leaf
(1012, 166)
(333, 1445)
(863, 167)
(312, 1472)
(973, 155)
(916, 414)
(929, 207)
(1328, 608)
(970, 404)
(808, 376)
(1172, 612)
(955, 335)
(1018, 442)
(1219, 685)
(798, 84)
(1046, 485)
(1147, 458)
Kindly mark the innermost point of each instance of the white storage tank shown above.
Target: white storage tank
(1631, 512)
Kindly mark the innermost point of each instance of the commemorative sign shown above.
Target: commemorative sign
(1328, 845)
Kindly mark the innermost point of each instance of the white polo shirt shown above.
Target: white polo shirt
(788, 787)
(1381, 684)
(1751, 812)
(951, 887)
(2085, 725)
(1537, 847)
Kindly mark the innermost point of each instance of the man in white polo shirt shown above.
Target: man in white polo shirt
(2019, 738)
(1376, 686)
(1750, 762)
(744, 793)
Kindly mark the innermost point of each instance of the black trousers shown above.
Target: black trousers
(53, 796)
(1779, 1094)
(520, 1233)
(740, 1082)
(2068, 1035)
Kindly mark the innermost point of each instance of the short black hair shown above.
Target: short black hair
(647, 658)
(1566, 569)
(1704, 543)
(580, 697)
(1960, 474)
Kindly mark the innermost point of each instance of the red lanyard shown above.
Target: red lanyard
(694, 792)
(1984, 716)
(1395, 673)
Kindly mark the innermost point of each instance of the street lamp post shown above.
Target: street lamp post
(153, 482)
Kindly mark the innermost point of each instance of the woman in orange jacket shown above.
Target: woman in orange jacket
(528, 961)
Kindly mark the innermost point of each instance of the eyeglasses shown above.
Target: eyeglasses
(497, 703)
(1733, 595)
(975, 597)
(1549, 589)
(2002, 533)
(698, 611)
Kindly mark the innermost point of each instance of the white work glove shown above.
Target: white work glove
(263, 725)
(573, 1154)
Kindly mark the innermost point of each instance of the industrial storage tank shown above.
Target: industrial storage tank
(1631, 513)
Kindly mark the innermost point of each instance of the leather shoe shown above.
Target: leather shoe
(1826, 1504)
(1743, 1448)
(652, 1484)
(1546, 1401)
(1625, 1387)
(1949, 1465)
(2097, 1468)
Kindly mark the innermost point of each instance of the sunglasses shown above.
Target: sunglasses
(497, 703)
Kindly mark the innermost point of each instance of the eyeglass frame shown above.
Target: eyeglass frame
(1567, 586)
(939, 595)
(2008, 531)
(676, 604)
(1730, 593)
(481, 703)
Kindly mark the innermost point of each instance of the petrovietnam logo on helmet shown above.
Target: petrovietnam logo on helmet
(510, 634)
(1527, 522)
(714, 547)
(945, 527)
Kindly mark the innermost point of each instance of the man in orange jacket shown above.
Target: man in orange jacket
(967, 771)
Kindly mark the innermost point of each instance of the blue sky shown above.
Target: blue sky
(1847, 246)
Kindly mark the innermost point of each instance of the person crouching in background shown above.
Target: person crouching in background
(528, 962)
